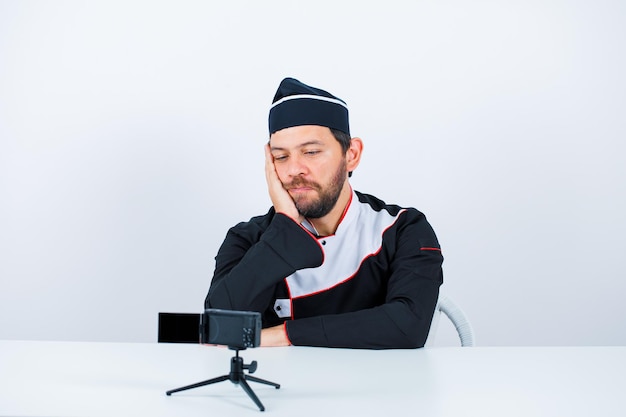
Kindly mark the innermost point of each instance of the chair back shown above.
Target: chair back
(458, 318)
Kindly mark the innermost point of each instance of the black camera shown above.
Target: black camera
(235, 329)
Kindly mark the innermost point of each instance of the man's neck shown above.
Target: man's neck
(327, 225)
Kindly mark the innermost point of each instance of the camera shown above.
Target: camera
(235, 329)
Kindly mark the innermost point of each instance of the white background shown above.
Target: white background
(131, 139)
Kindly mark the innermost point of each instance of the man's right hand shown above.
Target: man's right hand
(282, 201)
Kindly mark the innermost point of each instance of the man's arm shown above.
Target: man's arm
(255, 257)
(403, 321)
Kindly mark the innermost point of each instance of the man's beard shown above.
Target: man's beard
(327, 198)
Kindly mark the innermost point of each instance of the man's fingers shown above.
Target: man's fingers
(270, 170)
(282, 201)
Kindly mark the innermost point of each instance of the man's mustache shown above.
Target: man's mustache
(300, 182)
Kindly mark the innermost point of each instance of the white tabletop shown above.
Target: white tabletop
(130, 379)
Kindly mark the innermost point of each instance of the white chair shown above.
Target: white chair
(457, 317)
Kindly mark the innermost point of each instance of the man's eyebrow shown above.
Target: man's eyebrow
(302, 145)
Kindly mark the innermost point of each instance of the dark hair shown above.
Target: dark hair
(344, 140)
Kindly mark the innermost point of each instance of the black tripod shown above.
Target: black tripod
(236, 376)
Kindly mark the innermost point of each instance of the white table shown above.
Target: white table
(130, 379)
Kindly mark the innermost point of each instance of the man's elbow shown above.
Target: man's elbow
(414, 341)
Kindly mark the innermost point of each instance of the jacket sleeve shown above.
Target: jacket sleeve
(253, 259)
(403, 320)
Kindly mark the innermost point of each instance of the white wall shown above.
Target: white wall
(131, 138)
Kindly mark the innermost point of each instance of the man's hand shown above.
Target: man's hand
(274, 336)
(282, 201)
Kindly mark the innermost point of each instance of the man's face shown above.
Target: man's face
(311, 165)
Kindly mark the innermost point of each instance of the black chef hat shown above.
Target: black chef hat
(297, 104)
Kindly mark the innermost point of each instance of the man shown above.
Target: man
(327, 266)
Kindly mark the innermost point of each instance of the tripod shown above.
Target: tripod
(236, 376)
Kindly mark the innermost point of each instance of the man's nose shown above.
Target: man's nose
(296, 166)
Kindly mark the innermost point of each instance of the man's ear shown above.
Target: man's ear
(353, 155)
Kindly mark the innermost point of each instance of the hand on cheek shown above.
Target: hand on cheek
(281, 200)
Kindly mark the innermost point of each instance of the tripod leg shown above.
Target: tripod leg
(251, 394)
(261, 381)
(199, 384)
